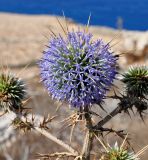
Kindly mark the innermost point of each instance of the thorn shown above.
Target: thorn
(61, 26)
(88, 22)
(102, 108)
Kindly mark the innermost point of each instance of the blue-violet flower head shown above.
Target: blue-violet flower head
(77, 69)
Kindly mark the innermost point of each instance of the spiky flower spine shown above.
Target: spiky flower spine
(136, 81)
(117, 153)
(78, 69)
(12, 92)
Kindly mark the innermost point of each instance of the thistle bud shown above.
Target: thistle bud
(136, 81)
(12, 92)
(118, 153)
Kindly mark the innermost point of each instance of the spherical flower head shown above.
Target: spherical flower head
(136, 81)
(12, 92)
(77, 69)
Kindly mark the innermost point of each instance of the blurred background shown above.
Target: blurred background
(132, 13)
(25, 30)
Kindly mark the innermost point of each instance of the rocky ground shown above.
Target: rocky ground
(22, 40)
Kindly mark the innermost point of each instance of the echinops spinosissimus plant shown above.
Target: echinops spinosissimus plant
(79, 70)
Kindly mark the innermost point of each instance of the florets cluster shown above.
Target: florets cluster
(78, 69)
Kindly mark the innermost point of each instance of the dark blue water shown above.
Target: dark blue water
(104, 12)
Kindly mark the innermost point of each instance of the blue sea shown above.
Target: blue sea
(131, 14)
